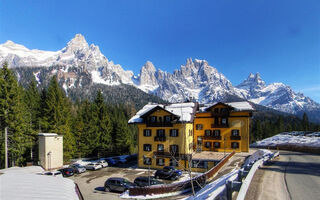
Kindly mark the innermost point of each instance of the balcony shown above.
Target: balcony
(177, 155)
(159, 124)
(219, 125)
(235, 137)
(160, 138)
(212, 137)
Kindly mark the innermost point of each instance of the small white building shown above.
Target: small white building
(50, 150)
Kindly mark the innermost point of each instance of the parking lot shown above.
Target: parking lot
(91, 183)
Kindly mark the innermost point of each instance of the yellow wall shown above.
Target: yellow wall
(183, 140)
(236, 120)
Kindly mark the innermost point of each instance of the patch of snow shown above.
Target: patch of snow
(293, 138)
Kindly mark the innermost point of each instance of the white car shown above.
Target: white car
(103, 163)
(93, 166)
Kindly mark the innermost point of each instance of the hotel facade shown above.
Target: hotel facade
(191, 135)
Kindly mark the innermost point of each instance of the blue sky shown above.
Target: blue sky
(278, 38)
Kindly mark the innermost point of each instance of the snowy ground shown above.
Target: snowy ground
(297, 138)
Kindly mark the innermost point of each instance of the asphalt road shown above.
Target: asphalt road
(294, 176)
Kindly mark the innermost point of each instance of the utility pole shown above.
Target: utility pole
(6, 147)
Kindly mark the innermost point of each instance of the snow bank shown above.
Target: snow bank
(257, 155)
(305, 139)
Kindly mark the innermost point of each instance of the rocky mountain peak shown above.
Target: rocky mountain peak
(77, 43)
(253, 81)
(148, 66)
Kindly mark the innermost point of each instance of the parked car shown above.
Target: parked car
(117, 184)
(111, 161)
(168, 172)
(67, 171)
(52, 173)
(143, 181)
(120, 160)
(78, 168)
(93, 166)
(132, 158)
(103, 163)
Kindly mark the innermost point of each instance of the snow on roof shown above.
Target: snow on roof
(182, 110)
(48, 134)
(242, 105)
(29, 169)
(238, 106)
(30, 186)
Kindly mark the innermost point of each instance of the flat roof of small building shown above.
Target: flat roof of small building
(209, 156)
(24, 183)
(48, 134)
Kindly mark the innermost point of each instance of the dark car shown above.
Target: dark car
(117, 184)
(169, 173)
(143, 181)
(111, 161)
(67, 171)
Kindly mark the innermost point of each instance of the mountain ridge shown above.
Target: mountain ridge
(195, 80)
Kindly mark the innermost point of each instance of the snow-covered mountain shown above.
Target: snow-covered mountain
(78, 64)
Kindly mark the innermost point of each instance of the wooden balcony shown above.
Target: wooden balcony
(219, 125)
(212, 137)
(160, 138)
(159, 124)
(238, 137)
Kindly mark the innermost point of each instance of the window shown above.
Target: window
(199, 126)
(216, 110)
(224, 110)
(224, 121)
(174, 133)
(160, 133)
(207, 132)
(207, 144)
(160, 147)
(147, 161)
(153, 119)
(190, 132)
(235, 133)
(147, 147)
(216, 144)
(147, 132)
(160, 119)
(174, 149)
(199, 140)
(199, 164)
(216, 133)
(234, 145)
(160, 161)
(216, 121)
(174, 162)
(167, 118)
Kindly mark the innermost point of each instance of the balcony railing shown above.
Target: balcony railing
(235, 137)
(159, 124)
(160, 138)
(212, 137)
(163, 154)
(219, 125)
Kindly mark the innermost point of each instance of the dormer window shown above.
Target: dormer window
(153, 119)
(167, 118)
(224, 121)
(224, 110)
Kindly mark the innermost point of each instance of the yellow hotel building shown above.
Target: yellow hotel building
(170, 135)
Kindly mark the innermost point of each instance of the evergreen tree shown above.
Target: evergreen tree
(56, 116)
(123, 138)
(103, 126)
(12, 116)
(305, 122)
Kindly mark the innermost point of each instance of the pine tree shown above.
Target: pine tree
(13, 116)
(123, 138)
(305, 122)
(103, 127)
(56, 116)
